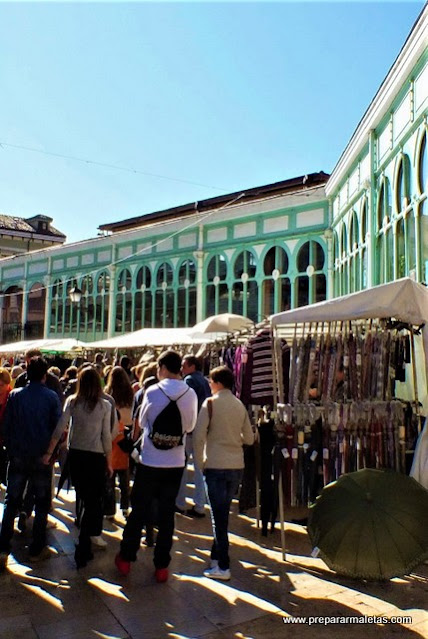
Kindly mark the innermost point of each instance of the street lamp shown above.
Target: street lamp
(75, 294)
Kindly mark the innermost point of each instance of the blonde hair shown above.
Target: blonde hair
(4, 375)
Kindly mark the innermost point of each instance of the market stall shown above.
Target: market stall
(357, 387)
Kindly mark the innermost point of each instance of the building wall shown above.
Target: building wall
(253, 258)
(378, 191)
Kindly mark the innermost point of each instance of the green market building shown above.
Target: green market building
(255, 252)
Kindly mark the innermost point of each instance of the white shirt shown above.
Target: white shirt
(153, 403)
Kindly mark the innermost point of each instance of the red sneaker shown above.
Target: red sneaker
(122, 565)
(161, 575)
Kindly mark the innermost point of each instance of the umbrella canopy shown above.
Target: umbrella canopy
(371, 524)
(223, 323)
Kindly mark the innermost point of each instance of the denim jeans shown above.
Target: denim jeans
(199, 496)
(222, 486)
(21, 471)
(152, 483)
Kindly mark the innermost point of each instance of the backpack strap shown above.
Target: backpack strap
(170, 398)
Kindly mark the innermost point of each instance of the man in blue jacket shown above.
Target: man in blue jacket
(31, 415)
(191, 371)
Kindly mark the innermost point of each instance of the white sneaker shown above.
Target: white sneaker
(98, 543)
(217, 573)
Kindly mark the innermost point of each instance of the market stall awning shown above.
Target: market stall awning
(403, 300)
(43, 345)
(152, 337)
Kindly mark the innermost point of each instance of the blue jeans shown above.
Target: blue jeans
(222, 486)
(21, 471)
(199, 497)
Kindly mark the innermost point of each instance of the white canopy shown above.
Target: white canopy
(223, 323)
(152, 337)
(44, 345)
(404, 300)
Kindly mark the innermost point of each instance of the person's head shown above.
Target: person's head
(125, 362)
(32, 352)
(119, 387)
(98, 359)
(221, 378)
(71, 372)
(36, 369)
(169, 364)
(16, 371)
(4, 380)
(88, 387)
(149, 371)
(190, 364)
(106, 371)
(54, 370)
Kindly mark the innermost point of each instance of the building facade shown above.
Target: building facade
(254, 253)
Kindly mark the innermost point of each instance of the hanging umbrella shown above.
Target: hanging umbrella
(223, 323)
(371, 524)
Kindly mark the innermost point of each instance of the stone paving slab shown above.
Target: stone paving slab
(51, 599)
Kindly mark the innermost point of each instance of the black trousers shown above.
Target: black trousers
(88, 471)
(152, 483)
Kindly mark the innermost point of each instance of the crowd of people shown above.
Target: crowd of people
(139, 426)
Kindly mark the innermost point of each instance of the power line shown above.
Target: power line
(117, 167)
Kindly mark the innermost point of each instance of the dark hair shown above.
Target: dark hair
(71, 372)
(36, 369)
(223, 375)
(193, 361)
(125, 361)
(119, 387)
(171, 360)
(32, 352)
(88, 387)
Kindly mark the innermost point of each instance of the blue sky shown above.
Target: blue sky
(214, 97)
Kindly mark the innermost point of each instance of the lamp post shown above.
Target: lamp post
(75, 297)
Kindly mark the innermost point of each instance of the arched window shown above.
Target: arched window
(34, 326)
(245, 291)
(102, 303)
(276, 286)
(385, 238)
(217, 290)
(364, 252)
(337, 264)
(354, 254)
(405, 258)
(12, 313)
(422, 174)
(422, 165)
(71, 310)
(311, 280)
(57, 307)
(124, 302)
(186, 294)
(87, 307)
(164, 297)
(143, 299)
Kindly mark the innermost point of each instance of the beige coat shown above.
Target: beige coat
(218, 444)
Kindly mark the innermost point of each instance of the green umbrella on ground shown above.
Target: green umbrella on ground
(371, 524)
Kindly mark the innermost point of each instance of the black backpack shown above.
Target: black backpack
(167, 429)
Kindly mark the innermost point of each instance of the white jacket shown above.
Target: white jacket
(153, 403)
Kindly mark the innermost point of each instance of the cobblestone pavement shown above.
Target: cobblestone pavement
(52, 600)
